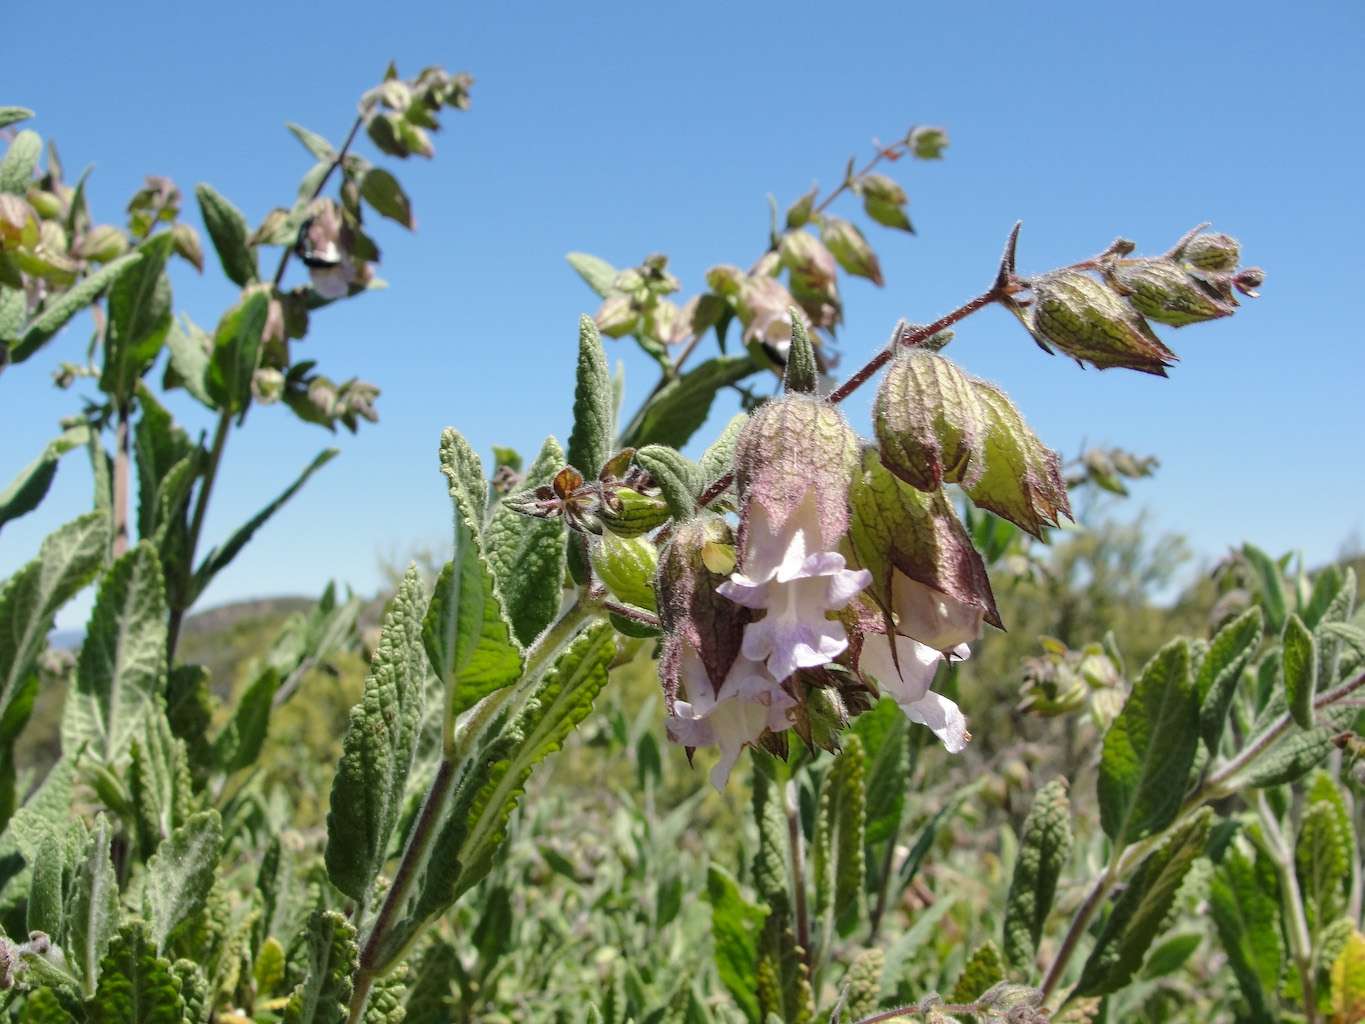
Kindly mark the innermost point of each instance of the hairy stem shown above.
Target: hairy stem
(201, 505)
(1079, 923)
(1300, 943)
(883, 152)
(883, 890)
(626, 611)
(122, 458)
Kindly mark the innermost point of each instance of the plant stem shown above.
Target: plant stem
(882, 153)
(1296, 923)
(883, 889)
(798, 874)
(1079, 923)
(626, 611)
(908, 338)
(122, 457)
(317, 191)
(201, 504)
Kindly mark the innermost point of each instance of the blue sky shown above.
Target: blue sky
(626, 129)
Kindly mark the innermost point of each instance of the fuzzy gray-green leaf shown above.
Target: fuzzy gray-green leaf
(122, 666)
(57, 311)
(378, 751)
(331, 959)
(1149, 748)
(1044, 848)
(136, 985)
(1245, 906)
(228, 229)
(678, 477)
(1300, 670)
(30, 486)
(93, 911)
(180, 874)
(682, 405)
(527, 554)
(591, 441)
(1221, 668)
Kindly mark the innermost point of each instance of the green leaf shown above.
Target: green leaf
(239, 744)
(380, 744)
(983, 969)
(682, 405)
(136, 986)
(159, 778)
(11, 115)
(190, 351)
(139, 318)
(160, 445)
(1044, 848)
(228, 229)
(121, 671)
(597, 272)
(1271, 586)
(883, 731)
(236, 350)
(463, 470)
(1299, 751)
(19, 162)
(194, 990)
(491, 786)
(385, 1005)
(1324, 852)
(180, 874)
(862, 985)
(719, 458)
(93, 910)
(590, 444)
(1348, 982)
(1170, 955)
(331, 959)
(837, 852)
(1149, 748)
(678, 477)
(47, 888)
(1245, 905)
(735, 926)
(527, 554)
(1300, 670)
(467, 637)
(381, 190)
(29, 488)
(313, 142)
(219, 557)
(44, 1006)
(1144, 909)
(1227, 656)
(58, 310)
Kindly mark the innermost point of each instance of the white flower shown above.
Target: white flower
(908, 684)
(749, 702)
(787, 574)
(931, 616)
(332, 282)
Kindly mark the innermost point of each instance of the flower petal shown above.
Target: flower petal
(943, 717)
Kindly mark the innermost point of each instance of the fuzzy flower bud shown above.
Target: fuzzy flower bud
(928, 421)
(1090, 322)
(1211, 251)
(847, 244)
(626, 565)
(807, 257)
(765, 309)
(1160, 290)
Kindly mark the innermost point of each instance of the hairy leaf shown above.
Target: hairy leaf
(180, 874)
(1348, 982)
(984, 968)
(1324, 852)
(1220, 670)
(19, 162)
(135, 985)
(1300, 670)
(380, 744)
(680, 479)
(1271, 586)
(239, 743)
(1149, 748)
(93, 911)
(236, 351)
(837, 852)
(719, 458)
(228, 229)
(121, 672)
(58, 310)
(330, 960)
(735, 927)
(1144, 909)
(681, 406)
(139, 318)
(1244, 902)
(590, 444)
(1044, 848)
(595, 271)
(159, 780)
(30, 486)
(527, 554)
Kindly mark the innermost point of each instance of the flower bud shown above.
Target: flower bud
(267, 385)
(765, 310)
(880, 187)
(628, 513)
(48, 205)
(1020, 478)
(725, 279)
(1211, 251)
(626, 565)
(691, 609)
(102, 243)
(1160, 290)
(928, 422)
(1088, 321)
(807, 257)
(850, 248)
(616, 317)
(1249, 281)
(18, 223)
(799, 213)
(791, 446)
(186, 242)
